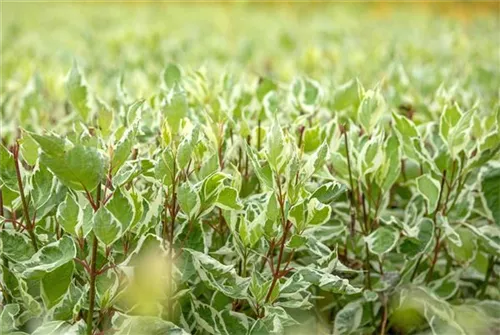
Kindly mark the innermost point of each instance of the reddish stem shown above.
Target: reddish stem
(276, 274)
(83, 263)
(93, 264)
(29, 225)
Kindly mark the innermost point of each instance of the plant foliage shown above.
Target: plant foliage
(303, 180)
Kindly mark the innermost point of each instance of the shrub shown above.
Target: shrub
(220, 202)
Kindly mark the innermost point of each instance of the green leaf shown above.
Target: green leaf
(234, 322)
(371, 157)
(348, 319)
(464, 253)
(429, 188)
(81, 168)
(122, 150)
(297, 214)
(171, 75)
(16, 246)
(250, 231)
(218, 276)
(447, 286)
(326, 281)
(189, 200)
(413, 247)
(7, 170)
(176, 110)
(370, 295)
(316, 162)
(186, 148)
(317, 213)
(85, 222)
(210, 166)
(370, 109)
(144, 325)
(448, 231)
(106, 227)
(60, 328)
(264, 173)
(257, 289)
(382, 240)
(270, 324)
(449, 118)
(489, 236)
(112, 221)
(312, 138)
(30, 305)
(43, 187)
(405, 126)
(121, 207)
(271, 103)
(275, 292)
(8, 318)
(29, 149)
(134, 112)
(51, 144)
(105, 118)
(406, 132)
(312, 92)
(491, 191)
(107, 287)
(391, 167)
(265, 86)
(56, 283)
(78, 94)
(272, 207)
(69, 306)
(207, 318)
(275, 145)
(165, 167)
(138, 202)
(328, 192)
(296, 241)
(228, 199)
(69, 214)
(458, 137)
(49, 258)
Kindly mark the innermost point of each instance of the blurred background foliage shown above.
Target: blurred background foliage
(417, 47)
(432, 42)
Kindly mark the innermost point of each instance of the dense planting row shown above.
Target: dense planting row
(235, 203)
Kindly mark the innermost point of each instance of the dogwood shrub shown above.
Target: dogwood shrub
(317, 196)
